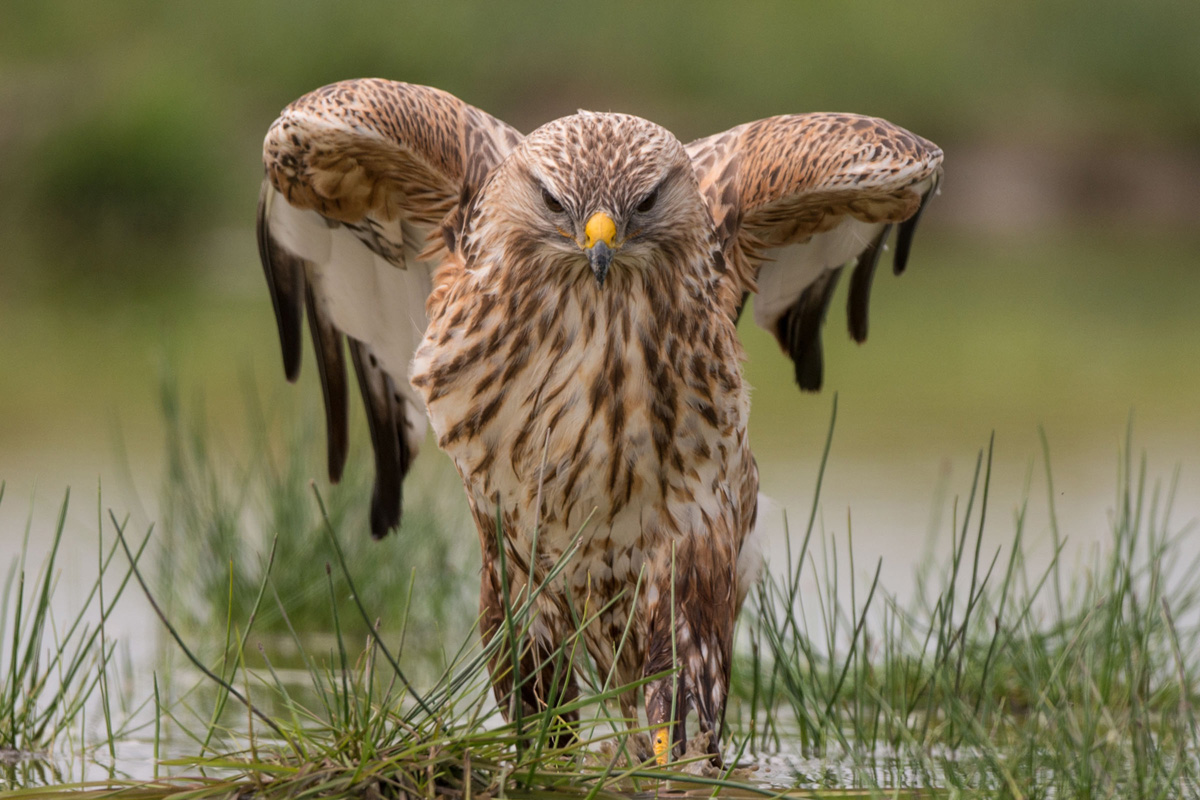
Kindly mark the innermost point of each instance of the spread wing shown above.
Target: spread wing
(358, 174)
(832, 186)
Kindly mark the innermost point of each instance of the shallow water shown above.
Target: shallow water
(893, 529)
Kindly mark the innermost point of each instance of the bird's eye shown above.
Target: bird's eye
(551, 202)
(648, 202)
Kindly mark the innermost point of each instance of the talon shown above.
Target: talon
(661, 745)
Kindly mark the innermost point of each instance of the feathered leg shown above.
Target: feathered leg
(694, 632)
(546, 674)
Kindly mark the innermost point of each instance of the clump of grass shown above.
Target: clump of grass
(222, 511)
(52, 673)
(371, 732)
(996, 681)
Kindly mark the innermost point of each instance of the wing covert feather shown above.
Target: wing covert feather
(829, 188)
(383, 149)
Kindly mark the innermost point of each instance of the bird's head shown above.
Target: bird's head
(597, 192)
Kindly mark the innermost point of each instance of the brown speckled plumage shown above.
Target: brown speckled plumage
(450, 251)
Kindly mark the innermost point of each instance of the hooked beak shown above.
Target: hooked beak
(599, 244)
(599, 256)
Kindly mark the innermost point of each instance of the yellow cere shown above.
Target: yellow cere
(660, 746)
(600, 228)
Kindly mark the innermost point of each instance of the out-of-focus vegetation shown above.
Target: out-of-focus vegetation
(132, 124)
(228, 519)
(1051, 280)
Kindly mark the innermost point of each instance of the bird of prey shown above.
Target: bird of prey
(562, 306)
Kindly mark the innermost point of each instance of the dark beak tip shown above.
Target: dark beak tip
(600, 256)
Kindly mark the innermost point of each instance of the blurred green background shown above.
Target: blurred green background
(1054, 282)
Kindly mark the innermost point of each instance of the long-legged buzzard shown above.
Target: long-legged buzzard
(562, 306)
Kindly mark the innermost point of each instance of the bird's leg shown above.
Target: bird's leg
(665, 713)
(629, 710)
(691, 619)
(694, 685)
(666, 700)
(547, 678)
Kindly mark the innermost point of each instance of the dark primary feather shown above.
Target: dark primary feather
(800, 329)
(285, 279)
(860, 286)
(907, 229)
(292, 292)
(331, 365)
(385, 418)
